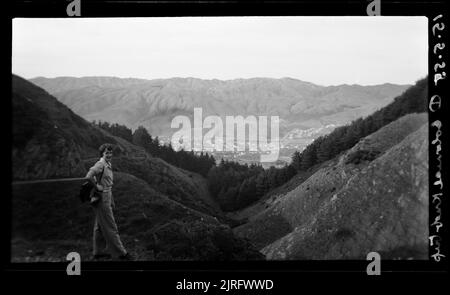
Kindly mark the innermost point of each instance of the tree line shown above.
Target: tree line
(233, 185)
(188, 160)
(236, 185)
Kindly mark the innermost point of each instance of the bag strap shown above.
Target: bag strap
(101, 175)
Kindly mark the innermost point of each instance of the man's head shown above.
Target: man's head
(106, 151)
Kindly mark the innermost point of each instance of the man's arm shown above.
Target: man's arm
(94, 170)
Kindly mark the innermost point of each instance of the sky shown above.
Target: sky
(322, 50)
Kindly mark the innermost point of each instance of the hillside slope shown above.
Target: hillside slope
(397, 151)
(159, 206)
(48, 222)
(50, 141)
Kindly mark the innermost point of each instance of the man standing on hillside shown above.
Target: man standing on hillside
(105, 228)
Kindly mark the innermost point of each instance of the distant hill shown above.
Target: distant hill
(163, 213)
(373, 197)
(153, 103)
(69, 83)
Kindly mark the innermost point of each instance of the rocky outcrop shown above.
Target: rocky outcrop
(372, 198)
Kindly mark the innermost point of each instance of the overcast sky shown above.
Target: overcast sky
(322, 50)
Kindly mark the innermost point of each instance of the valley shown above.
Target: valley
(358, 180)
(306, 110)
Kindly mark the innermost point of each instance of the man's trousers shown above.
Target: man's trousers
(106, 234)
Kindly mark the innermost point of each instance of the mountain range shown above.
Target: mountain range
(154, 103)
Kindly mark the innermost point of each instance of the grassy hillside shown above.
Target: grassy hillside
(152, 226)
(50, 141)
(163, 212)
(38, 115)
